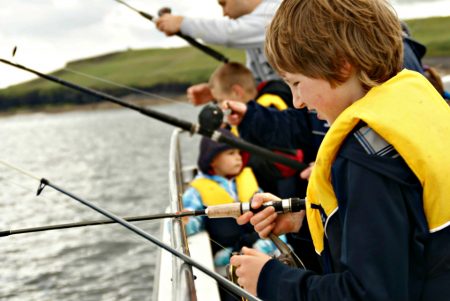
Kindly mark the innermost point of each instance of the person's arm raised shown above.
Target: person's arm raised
(169, 24)
(199, 94)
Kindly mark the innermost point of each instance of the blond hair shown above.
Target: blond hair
(232, 73)
(317, 37)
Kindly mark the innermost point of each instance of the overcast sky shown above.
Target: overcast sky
(48, 33)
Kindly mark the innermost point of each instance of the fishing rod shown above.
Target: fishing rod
(185, 125)
(99, 222)
(220, 279)
(217, 211)
(209, 51)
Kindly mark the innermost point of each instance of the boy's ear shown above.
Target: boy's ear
(346, 69)
(238, 90)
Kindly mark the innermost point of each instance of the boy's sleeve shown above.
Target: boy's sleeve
(375, 247)
(263, 126)
(193, 201)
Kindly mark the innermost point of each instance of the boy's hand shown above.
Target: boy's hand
(268, 221)
(305, 174)
(237, 111)
(169, 24)
(248, 267)
(199, 94)
(184, 219)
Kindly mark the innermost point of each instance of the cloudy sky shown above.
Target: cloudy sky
(48, 33)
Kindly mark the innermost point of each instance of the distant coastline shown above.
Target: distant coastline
(138, 100)
(442, 64)
(167, 71)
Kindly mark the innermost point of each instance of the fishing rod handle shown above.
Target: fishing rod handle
(224, 210)
(281, 206)
(237, 209)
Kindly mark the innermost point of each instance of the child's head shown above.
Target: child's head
(219, 158)
(317, 38)
(232, 81)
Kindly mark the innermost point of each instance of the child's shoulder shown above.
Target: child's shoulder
(365, 148)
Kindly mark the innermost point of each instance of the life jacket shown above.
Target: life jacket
(272, 100)
(410, 115)
(225, 232)
(274, 93)
(213, 194)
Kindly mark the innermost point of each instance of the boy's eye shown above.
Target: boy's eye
(295, 84)
(233, 151)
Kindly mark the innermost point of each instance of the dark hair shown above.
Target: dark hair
(209, 149)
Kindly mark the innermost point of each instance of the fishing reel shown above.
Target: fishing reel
(287, 256)
(231, 273)
(210, 117)
(164, 10)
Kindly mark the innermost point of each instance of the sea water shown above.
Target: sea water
(117, 159)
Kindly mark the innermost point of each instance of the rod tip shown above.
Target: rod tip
(42, 184)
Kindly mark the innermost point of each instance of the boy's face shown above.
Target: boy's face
(227, 163)
(319, 95)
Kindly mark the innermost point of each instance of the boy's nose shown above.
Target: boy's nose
(297, 101)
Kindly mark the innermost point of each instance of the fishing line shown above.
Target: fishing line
(193, 128)
(69, 225)
(112, 83)
(125, 87)
(230, 285)
(220, 279)
(20, 170)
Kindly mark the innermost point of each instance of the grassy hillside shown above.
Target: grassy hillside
(157, 70)
(433, 33)
(167, 70)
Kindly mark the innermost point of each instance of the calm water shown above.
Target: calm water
(118, 160)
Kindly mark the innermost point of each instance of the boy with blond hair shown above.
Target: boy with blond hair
(234, 81)
(377, 200)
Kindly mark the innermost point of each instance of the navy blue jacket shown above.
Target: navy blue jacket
(413, 52)
(301, 128)
(378, 246)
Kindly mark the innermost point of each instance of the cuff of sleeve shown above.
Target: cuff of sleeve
(278, 281)
(246, 122)
(269, 280)
(185, 27)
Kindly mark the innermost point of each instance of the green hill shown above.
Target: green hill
(165, 70)
(155, 70)
(433, 33)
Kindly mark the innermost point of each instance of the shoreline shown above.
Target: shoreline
(138, 100)
(441, 64)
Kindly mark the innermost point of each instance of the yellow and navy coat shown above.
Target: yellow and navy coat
(378, 202)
